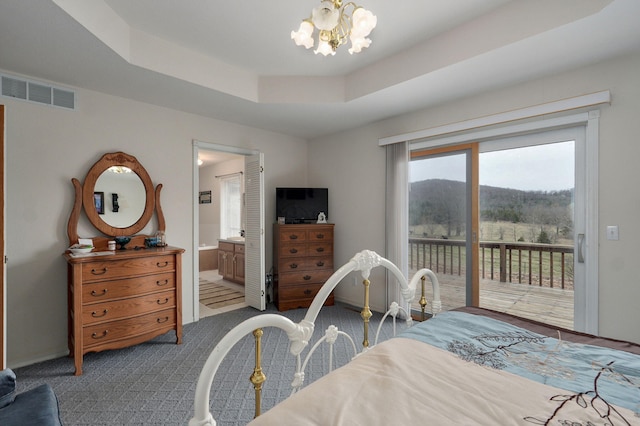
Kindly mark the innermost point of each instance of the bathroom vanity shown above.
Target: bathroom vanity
(231, 260)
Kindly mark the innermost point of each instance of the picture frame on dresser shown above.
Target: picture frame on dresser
(124, 297)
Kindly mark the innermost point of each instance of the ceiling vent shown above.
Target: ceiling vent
(41, 93)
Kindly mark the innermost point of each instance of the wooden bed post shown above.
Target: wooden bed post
(258, 377)
(366, 313)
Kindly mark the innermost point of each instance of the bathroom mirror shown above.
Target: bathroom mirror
(124, 214)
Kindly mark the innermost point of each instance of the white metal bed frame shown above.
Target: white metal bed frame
(300, 333)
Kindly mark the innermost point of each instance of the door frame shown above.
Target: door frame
(472, 213)
(3, 290)
(197, 146)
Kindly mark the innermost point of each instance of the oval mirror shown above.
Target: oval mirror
(120, 196)
(129, 211)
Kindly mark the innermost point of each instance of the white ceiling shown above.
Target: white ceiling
(235, 61)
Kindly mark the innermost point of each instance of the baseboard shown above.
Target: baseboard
(19, 364)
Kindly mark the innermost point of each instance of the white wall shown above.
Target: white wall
(358, 208)
(46, 147)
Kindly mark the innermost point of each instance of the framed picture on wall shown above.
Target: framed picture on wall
(205, 197)
(98, 201)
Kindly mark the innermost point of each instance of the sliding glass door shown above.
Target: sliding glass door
(499, 222)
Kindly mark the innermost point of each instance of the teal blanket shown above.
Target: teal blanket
(611, 376)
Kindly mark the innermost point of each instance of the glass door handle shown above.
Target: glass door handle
(580, 247)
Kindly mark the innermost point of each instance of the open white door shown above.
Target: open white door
(254, 286)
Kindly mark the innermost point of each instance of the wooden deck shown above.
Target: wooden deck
(548, 305)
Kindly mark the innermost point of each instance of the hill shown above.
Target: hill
(439, 204)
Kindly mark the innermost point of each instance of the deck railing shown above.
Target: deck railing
(549, 265)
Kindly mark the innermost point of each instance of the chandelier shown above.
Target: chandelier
(336, 24)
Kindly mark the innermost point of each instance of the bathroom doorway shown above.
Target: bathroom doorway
(228, 229)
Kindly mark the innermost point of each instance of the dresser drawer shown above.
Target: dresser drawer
(307, 291)
(320, 249)
(108, 290)
(294, 250)
(320, 234)
(303, 277)
(123, 308)
(107, 270)
(225, 246)
(293, 235)
(99, 334)
(306, 263)
(299, 297)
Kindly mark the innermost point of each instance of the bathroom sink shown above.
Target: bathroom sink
(235, 239)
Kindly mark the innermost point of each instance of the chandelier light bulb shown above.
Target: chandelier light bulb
(364, 21)
(357, 44)
(326, 16)
(304, 35)
(324, 48)
(334, 24)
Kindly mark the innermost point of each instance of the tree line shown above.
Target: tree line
(442, 202)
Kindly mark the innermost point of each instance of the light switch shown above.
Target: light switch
(612, 232)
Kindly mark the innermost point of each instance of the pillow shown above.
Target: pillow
(7, 387)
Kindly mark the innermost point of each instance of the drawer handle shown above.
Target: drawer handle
(94, 272)
(100, 336)
(161, 320)
(320, 263)
(97, 315)
(320, 236)
(160, 302)
(161, 283)
(96, 294)
(160, 265)
(293, 266)
(293, 250)
(293, 237)
(320, 249)
(307, 292)
(306, 277)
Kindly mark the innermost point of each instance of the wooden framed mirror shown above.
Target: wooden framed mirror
(142, 199)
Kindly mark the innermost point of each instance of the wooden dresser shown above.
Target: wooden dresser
(302, 262)
(122, 299)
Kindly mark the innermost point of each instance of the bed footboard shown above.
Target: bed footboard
(300, 334)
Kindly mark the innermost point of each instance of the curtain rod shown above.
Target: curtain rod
(229, 174)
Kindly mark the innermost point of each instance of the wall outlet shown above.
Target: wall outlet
(612, 233)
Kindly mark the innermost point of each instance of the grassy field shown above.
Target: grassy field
(496, 231)
(528, 267)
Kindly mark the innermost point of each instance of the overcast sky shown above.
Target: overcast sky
(543, 167)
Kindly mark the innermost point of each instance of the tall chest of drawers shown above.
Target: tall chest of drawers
(302, 262)
(122, 299)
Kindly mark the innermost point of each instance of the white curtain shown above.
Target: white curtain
(397, 215)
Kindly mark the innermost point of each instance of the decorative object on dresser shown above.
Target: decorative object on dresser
(124, 297)
(302, 262)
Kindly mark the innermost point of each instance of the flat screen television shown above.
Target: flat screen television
(301, 205)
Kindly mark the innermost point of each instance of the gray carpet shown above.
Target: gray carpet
(153, 383)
